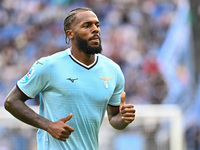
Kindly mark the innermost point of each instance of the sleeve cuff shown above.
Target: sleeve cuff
(29, 97)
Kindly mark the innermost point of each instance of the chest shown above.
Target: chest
(94, 85)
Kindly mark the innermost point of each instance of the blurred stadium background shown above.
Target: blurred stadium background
(156, 43)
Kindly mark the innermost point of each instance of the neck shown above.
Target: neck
(82, 57)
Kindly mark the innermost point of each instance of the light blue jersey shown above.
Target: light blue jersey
(68, 86)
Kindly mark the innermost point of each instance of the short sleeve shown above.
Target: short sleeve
(120, 81)
(36, 80)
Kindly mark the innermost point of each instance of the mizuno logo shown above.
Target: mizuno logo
(72, 80)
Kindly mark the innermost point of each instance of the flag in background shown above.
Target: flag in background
(175, 58)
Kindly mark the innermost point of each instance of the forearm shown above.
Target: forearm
(121, 116)
(24, 113)
(117, 122)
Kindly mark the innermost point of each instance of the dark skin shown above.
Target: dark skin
(85, 25)
(15, 104)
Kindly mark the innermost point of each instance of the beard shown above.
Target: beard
(84, 47)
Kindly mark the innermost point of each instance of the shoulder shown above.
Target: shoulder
(107, 61)
(51, 59)
(109, 64)
(44, 64)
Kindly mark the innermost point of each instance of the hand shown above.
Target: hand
(127, 110)
(60, 130)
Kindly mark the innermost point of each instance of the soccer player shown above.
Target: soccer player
(76, 88)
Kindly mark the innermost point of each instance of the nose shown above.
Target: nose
(95, 29)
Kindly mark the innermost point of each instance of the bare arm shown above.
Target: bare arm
(115, 118)
(15, 104)
(120, 117)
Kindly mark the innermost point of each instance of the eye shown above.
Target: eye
(86, 26)
(97, 25)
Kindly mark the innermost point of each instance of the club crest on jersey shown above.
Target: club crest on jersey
(106, 81)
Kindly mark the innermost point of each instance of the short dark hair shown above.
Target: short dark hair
(71, 17)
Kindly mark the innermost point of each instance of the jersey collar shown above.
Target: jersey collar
(80, 63)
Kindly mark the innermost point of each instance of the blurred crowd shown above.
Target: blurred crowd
(132, 33)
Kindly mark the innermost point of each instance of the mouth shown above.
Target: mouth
(94, 38)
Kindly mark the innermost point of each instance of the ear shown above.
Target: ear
(70, 34)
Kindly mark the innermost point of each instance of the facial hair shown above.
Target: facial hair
(84, 47)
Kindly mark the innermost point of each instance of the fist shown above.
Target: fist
(60, 130)
(127, 110)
